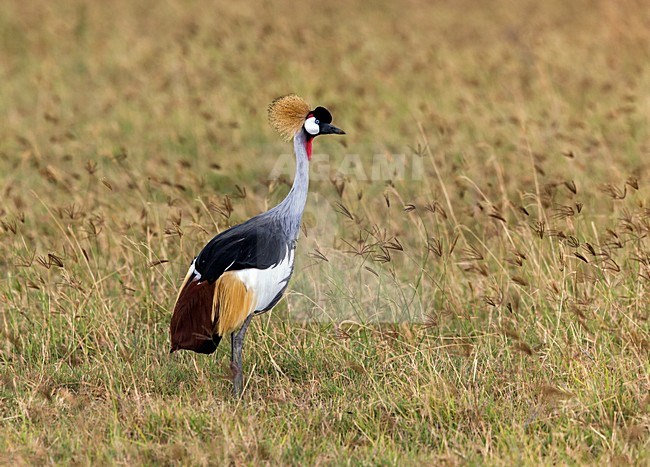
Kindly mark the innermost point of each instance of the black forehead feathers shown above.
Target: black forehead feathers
(322, 115)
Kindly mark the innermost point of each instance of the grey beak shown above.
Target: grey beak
(329, 129)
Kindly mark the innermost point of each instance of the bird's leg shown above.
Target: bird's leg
(237, 343)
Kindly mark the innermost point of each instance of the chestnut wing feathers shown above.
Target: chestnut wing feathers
(192, 326)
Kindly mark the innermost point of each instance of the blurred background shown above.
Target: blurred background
(172, 79)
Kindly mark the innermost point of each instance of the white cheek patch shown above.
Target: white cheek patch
(311, 126)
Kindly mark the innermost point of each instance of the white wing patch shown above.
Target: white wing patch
(193, 270)
(267, 283)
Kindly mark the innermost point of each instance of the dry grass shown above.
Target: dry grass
(516, 269)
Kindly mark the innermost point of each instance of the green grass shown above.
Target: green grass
(493, 309)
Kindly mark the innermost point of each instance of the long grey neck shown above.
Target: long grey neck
(289, 212)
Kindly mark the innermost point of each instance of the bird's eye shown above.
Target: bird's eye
(316, 122)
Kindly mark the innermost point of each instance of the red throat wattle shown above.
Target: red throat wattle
(308, 147)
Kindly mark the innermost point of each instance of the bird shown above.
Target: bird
(244, 270)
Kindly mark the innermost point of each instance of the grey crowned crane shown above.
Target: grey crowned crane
(244, 271)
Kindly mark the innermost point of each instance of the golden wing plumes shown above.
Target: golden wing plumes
(287, 115)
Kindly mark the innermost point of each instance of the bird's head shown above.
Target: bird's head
(319, 122)
(290, 116)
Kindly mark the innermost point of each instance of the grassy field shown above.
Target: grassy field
(489, 304)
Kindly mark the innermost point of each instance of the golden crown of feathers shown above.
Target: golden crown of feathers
(287, 115)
